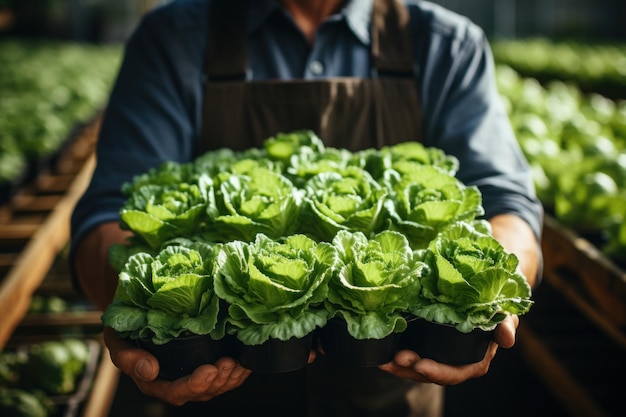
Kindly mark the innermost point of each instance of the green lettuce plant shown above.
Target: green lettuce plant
(472, 281)
(349, 200)
(274, 289)
(251, 199)
(308, 163)
(403, 157)
(224, 159)
(157, 212)
(168, 174)
(283, 147)
(425, 200)
(166, 296)
(374, 284)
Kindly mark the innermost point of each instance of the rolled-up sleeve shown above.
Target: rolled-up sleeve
(465, 117)
(151, 117)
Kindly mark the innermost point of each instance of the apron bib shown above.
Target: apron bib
(351, 113)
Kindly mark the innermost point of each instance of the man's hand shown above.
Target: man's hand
(206, 382)
(409, 365)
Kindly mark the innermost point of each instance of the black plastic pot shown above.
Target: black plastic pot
(341, 347)
(274, 355)
(444, 343)
(180, 357)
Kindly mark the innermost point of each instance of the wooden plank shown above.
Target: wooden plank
(53, 183)
(603, 280)
(37, 256)
(5, 213)
(78, 318)
(7, 259)
(595, 315)
(103, 389)
(35, 203)
(72, 160)
(566, 389)
(17, 232)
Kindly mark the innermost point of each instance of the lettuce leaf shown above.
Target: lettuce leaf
(157, 213)
(164, 296)
(274, 288)
(374, 284)
(348, 200)
(472, 280)
(425, 200)
(252, 199)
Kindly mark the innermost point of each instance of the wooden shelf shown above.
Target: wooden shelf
(564, 386)
(585, 275)
(35, 227)
(574, 337)
(34, 232)
(34, 261)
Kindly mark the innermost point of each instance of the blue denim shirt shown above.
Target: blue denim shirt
(154, 112)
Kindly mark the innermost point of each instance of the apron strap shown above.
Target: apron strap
(382, 110)
(227, 53)
(227, 57)
(392, 50)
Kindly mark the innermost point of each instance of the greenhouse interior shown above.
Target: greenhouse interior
(241, 252)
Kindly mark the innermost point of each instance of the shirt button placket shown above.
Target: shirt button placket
(316, 67)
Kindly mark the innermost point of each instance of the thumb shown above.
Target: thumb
(504, 334)
(130, 359)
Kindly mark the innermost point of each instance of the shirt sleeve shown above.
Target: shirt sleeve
(465, 117)
(151, 117)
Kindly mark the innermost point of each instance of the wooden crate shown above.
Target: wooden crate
(586, 276)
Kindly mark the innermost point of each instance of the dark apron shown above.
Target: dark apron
(346, 113)
(351, 113)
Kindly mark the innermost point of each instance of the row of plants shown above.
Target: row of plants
(593, 66)
(47, 88)
(576, 145)
(273, 243)
(39, 379)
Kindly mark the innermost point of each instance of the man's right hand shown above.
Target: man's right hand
(206, 382)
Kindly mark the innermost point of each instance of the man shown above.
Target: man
(201, 75)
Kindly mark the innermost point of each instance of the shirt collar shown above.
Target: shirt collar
(357, 13)
(259, 11)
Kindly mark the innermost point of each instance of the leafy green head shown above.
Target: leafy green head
(157, 213)
(167, 174)
(251, 199)
(284, 146)
(165, 296)
(472, 281)
(403, 157)
(425, 200)
(274, 288)
(375, 282)
(348, 200)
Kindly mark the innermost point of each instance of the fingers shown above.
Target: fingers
(229, 375)
(409, 365)
(206, 382)
(402, 366)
